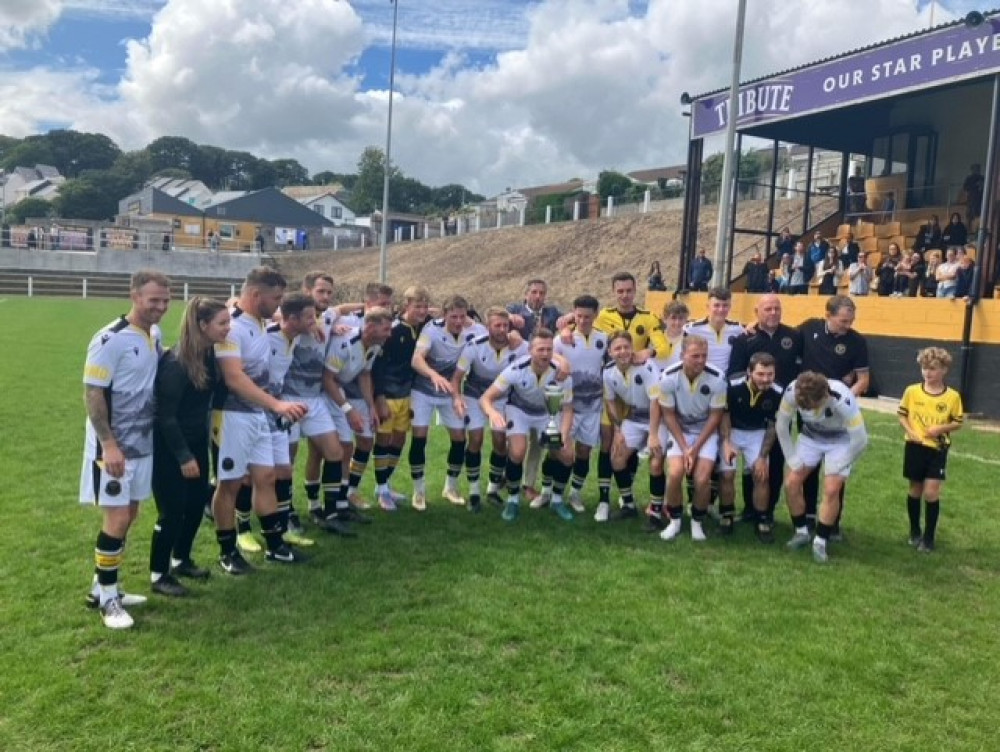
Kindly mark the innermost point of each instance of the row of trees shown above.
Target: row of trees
(99, 174)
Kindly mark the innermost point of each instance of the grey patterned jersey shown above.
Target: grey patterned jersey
(304, 379)
(122, 360)
(347, 358)
(442, 351)
(526, 390)
(586, 358)
(247, 341)
(482, 363)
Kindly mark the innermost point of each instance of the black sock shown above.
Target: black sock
(283, 492)
(271, 529)
(604, 473)
(382, 471)
(312, 490)
(931, 511)
(417, 456)
(623, 479)
(657, 489)
(108, 558)
(227, 541)
(394, 453)
(746, 486)
(800, 520)
(633, 464)
(473, 461)
(913, 510)
(333, 474)
(513, 473)
(244, 508)
(823, 530)
(359, 462)
(497, 464)
(456, 458)
(581, 466)
(560, 476)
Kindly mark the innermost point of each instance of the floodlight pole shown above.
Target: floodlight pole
(721, 262)
(383, 258)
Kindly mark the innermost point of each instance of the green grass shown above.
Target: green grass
(453, 631)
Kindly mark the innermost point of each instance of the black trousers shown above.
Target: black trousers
(180, 502)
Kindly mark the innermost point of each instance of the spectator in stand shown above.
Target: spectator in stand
(888, 207)
(756, 274)
(886, 271)
(818, 248)
(955, 234)
(966, 274)
(919, 268)
(929, 287)
(656, 278)
(32, 240)
(947, 275)
(784, 243)
(973, 187)
(701, 272)
(828, 273)
(774, 283)
(929, 236)
(784, 275)
(803, 270)
(860, 276)
(213, 242)
(904, 276)
(850, 251)
(856, 199)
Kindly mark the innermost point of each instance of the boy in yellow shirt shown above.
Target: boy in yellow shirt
(929, 413)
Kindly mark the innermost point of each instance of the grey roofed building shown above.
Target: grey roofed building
(267, 206)
(152, 200)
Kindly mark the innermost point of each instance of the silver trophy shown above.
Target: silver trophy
(552, 437)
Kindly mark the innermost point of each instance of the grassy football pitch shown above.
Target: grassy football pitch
(451, 631)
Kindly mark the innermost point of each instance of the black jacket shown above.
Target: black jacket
(182, 411)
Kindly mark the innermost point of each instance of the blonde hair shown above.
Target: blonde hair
(934, 357)
(416, 294)
(192, 347)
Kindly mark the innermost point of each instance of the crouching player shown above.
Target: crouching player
(747, 430)
(832, 434)
(632, 386)
(526, 381)
(684, 425)
(929, 413)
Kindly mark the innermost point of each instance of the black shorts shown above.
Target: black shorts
(922, 463)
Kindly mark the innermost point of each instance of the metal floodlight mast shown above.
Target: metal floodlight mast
(721, 262)
(383, 258)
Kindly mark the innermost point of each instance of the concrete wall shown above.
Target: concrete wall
(175, 263)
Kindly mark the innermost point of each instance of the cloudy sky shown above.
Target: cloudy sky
(491, 93)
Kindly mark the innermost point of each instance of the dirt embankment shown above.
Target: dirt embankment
(491, 267)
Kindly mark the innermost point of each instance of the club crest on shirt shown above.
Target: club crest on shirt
(640, 330)
(941, 407)
(840, 349)
(786, 343)
(705, 389)
(113, 488)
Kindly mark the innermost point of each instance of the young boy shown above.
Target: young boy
(929, 413)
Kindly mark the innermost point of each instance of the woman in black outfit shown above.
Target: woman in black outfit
(184, 383)
(954, 233)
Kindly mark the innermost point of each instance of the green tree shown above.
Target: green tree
(174, 151)
(366, 196)
(93, 195)
(29, 207)
(31, 151)
(329, 178)
(73, 152)
(289, 172)
(611, 183)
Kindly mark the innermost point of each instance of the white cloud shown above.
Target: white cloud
(21, 21)
(576, 86)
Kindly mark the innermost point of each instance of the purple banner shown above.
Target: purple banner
(951, 54)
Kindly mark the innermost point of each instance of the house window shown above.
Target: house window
(221, 211)
(319, 209)
(227, 232)
(336, 212)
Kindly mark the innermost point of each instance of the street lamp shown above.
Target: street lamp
(383, 258)
(726, 188)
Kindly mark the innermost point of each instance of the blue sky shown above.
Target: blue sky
(491, 92)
